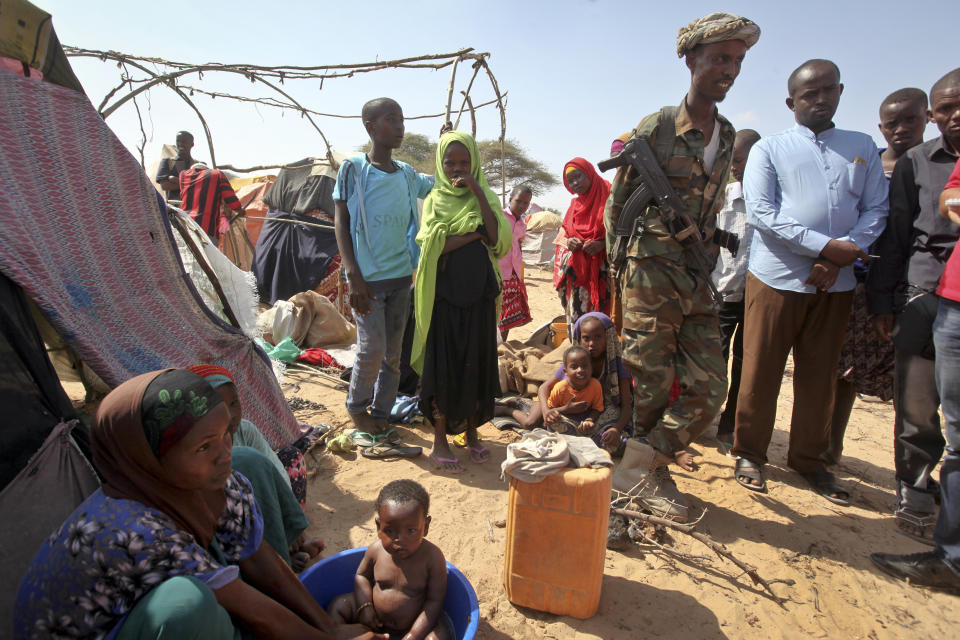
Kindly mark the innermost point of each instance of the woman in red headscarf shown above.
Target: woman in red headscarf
(580, 267)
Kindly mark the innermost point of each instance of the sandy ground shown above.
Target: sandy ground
(818, 549)
(789, 533)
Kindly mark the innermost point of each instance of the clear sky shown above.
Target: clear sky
(577, 73)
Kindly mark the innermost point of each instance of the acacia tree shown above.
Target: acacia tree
(418, 151)
(519, 167)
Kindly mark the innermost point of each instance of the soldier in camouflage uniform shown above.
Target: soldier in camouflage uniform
(670, 324)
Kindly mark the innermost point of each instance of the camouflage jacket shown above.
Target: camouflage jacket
(703, 193)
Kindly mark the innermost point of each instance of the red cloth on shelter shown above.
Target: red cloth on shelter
(202, 191)
(584, 220)
(319, 357)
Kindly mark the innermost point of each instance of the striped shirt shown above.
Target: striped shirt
(202, 192)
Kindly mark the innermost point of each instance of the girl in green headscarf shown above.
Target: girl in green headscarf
(456, 299)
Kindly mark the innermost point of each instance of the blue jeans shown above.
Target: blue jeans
(946, 340)
(376, 371)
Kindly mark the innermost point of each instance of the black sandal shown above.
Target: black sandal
(917, 526)
(826, 485)
(752, 471)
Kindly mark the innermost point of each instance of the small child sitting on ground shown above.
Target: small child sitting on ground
(576, 401)
(401, 581)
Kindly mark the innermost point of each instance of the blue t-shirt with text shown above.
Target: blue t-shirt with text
(384, 229)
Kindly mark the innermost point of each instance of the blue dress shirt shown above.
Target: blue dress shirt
(802, 190)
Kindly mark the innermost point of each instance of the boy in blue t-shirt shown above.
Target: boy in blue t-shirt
(376, 219)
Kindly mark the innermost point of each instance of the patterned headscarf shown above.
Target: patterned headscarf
(612, 357)
(716, 27)
(172, 403)
(215, 376)
(133, 423)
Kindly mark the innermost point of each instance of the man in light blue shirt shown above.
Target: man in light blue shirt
(817, 199)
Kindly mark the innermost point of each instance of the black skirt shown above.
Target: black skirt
(460, 366)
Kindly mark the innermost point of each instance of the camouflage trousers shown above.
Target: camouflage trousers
(670, 328)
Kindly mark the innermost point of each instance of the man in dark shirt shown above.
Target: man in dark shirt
(168, 174)
(900, 292)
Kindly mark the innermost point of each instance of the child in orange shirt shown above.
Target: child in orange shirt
(577, 400)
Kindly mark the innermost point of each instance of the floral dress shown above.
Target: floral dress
(109, 553)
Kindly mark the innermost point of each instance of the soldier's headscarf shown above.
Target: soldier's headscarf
(716, 27)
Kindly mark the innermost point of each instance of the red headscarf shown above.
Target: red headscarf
(584, 220)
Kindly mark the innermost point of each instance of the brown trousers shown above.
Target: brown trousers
(813, 325)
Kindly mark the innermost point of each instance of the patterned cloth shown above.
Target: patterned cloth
(110, 552)
(203, 191)
(719, 26)
(86, 237)
(515, 311)
(866, 360)
(670, 325)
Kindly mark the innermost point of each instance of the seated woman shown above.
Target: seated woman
(283, 518)
(597, 333)
(159, 550)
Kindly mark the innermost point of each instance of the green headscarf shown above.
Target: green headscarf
(450, 211)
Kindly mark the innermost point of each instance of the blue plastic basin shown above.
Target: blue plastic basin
(334, 575)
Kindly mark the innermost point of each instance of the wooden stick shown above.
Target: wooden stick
(466, 93)
(718, 548)
(453, 80)
(302, 368)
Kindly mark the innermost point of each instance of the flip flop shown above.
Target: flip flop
(450, 465)
(504, 422)
(363, 439)
(479, 454)
(390, 437)
(386, 450)
(826, 485)
(725, 444)
(917, 526)
(513, 402)
(752, 471)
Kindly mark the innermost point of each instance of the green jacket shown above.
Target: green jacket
(702, 193)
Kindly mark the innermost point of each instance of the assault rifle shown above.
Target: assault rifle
(654, 188)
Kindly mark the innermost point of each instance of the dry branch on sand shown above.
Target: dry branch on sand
(717, 547)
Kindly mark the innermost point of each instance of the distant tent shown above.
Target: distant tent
(290, 258)
(537, 246)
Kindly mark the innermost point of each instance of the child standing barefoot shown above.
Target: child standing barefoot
(455, 299)
(516, 309)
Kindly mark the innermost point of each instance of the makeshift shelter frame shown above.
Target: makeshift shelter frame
(171, 73)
